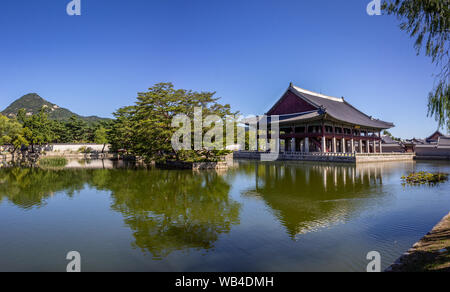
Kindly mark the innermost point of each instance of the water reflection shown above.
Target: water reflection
(30, 187)
(172, 210)
(166, 210)
(256, 217)
(179, 210)
(308, 197)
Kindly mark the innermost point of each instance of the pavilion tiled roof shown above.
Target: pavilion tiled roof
(336, 108)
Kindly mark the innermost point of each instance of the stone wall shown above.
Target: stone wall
(76, 155)
(193, 165)
(5, 157)
(432, 152)
(225, 163)
(74, 147)
(361, 157)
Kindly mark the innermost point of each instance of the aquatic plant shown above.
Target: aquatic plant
(422, 177)
(53, 162)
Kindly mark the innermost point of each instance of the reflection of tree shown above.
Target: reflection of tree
(167, 210)
(307, 197)
(29, 187)
(172, 210)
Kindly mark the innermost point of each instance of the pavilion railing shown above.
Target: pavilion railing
(297, 153)
(333, 154)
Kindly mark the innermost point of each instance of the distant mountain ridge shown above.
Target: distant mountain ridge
(33, 103)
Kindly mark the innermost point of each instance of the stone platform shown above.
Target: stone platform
(324, 157)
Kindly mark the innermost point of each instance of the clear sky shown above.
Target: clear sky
(246, 50)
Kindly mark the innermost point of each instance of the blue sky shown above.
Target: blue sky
(246, 50)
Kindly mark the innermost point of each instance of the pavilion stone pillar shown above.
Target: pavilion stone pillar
(368, 146)
(293, 145)
(343, 145)
(277, 145)
(334, 145)
(353, 145)
(381, 146)
(360, 146)
(324, 144)
(307, 145)
(374, 146)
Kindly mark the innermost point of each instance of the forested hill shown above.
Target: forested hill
(33, 103)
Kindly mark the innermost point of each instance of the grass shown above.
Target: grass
(422, 177)
(53, 162)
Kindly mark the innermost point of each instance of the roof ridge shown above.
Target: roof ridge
(302, 90)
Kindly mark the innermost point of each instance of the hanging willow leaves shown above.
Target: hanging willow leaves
(428, 21)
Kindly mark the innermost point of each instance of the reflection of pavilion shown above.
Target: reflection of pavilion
(306, 197)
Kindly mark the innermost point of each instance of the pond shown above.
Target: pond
(253, 217)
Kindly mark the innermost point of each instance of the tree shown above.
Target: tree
(37, 128)
(145, 129)
(429, 22)
(12, 133)
(101, 137)
(77, 130)
(121, 134)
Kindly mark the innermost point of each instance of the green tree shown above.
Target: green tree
(77, 130)
(60, 132)
(428, 21)
(121, 134)
(147, 128)
(12, 133)
(101, 137)
(37, 128)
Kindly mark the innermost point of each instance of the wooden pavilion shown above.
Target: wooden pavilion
(313, 122)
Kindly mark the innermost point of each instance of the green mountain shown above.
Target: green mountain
(33, 103)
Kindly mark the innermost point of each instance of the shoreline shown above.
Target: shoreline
(430, 254)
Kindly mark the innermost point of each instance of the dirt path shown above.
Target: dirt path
(430, 254)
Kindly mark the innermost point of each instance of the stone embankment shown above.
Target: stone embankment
(430, 254)
(324, 157)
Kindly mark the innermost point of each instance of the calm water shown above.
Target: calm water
(255, 217)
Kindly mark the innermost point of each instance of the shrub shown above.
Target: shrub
(422, 177)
